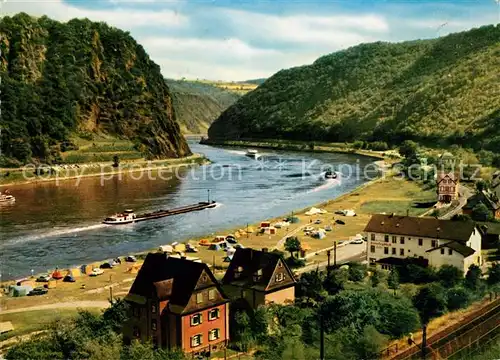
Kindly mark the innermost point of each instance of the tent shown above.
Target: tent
(315, 211)
(349, 213)
(52, 284)
(180, 247)
(166, 248)
(87, 269)
(18, 291)
(75, 272)
(57, 275)
(320, 234)
(218, 246)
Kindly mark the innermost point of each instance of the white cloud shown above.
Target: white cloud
(122, 18)
(334, 31)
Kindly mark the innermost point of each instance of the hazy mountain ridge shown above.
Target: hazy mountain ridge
(198, 104)
(442, 90)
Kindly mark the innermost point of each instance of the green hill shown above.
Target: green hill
(80, 79)
(198, 104)
(438, 92)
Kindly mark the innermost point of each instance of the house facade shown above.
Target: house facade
(488, 198)
(447, 187)
(177, 303)
(437, 242)
(259, 278)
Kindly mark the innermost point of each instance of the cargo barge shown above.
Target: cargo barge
(128, 216)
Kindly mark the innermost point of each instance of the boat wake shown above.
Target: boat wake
(51, 233)
(237, 152)
(328, 183)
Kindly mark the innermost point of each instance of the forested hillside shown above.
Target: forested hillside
(80, 78)
(198, 104)
(438, 92)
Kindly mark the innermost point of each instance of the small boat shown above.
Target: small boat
(329, 174)
(126, 217)
(252, 153)
(6, 198)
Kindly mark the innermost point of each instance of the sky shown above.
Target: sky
(235, 40)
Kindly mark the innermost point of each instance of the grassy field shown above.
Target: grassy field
(239, 88)
(32, 321)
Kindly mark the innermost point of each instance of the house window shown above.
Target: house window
(280, 264)
(434, 243)
(280, 277)
(386, 238)
(402, 252)
(257, 276)
(199, 298)
(213, 334)
(372, 237)
(196, 319)
(196, 340)
(393, 251)
(420, 242)
(442, 251)
(402, 240)
(153, 324)
(372, 248)
(238, 272)
(386, 250)
(211, 294)
(153, 308)
(136, 332)
(213, 314)
(394, 239)
(450, 252)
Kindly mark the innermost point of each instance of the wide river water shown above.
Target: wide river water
(60, 224)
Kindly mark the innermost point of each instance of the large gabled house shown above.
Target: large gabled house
(259, 278)
(177, 303)
(432, 241)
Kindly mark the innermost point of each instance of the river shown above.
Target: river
(60, 224)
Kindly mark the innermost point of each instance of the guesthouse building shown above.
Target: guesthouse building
(431, 241)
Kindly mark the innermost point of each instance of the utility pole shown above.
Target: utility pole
(321, 339)
(328, 253)
(208, 192)
(335, 253)
(424, 341)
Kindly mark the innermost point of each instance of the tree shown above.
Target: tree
(335, 281)
(241, 331)
(393, 280)
(450, 276)
(481, 185)
(116, 161)
(457, 298)
(292, 244)
(472, 279)
(376, 278)
(310, 286)
(494, 274)
(408, 149)
(430, 303)
(481, 213)
(356, 272)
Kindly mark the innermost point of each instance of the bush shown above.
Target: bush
(457, 298)
(450, 276)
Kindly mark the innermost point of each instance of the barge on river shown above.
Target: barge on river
(128, 216)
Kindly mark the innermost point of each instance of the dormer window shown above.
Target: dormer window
(280, 277)
(258, 275)
(238, 272)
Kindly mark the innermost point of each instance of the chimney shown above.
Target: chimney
(265, 250)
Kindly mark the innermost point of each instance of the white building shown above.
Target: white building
(435, 242)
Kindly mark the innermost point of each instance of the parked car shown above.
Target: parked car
(328, 228)
(107, 265)
(130, 259)
(96, 272)
(357, 241)
(117, 261)
(38, 291)
(43, 278)
(317, 222)
(69, 278)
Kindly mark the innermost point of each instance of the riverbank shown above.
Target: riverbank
(362, 200)
(343, 148)
(26, 175)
